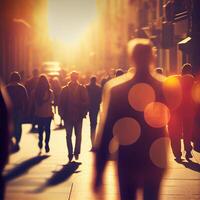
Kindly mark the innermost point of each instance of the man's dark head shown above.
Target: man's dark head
(187, 69)
(74, 76)
(119, 72)
(93, 79)
(159, 70)
(15, 77)
(35, 72)
(140, 52)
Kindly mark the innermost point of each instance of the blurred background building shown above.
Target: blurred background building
(173, 26)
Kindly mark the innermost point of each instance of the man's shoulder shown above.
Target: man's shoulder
(115, 84)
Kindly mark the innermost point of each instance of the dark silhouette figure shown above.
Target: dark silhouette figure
(43, 101)
(181, 124)
(73, 108)
(188, 108)
(4, 135)
(56, 87)
(19, 99)
(31, 83)
(94, 92)
(127, 120)
(30, 86)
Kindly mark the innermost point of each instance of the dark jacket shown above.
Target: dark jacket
(73, 102)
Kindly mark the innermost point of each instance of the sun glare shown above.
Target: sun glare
(68, 20)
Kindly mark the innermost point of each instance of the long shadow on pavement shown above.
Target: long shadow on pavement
(192, 165)
(23, 167)
(60, 176)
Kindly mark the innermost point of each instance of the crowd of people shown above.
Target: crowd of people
(37, 99)
(120, 104)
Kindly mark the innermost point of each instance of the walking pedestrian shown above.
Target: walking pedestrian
(43, 101)
(73, 108)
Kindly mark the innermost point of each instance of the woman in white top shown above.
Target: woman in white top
(43, 99)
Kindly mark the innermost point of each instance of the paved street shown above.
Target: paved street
(48, 177)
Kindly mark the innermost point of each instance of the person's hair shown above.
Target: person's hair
(187, 69)
(41, 88)
(93, 79)
(140, 52)
(119, 72)
(74, 75)
(15, 77)
(159, 70)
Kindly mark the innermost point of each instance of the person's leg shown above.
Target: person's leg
(47, 127)
(175, 130)
(188, 125)
(78, 133)
(93, 123)
(69, 129)
(196, 132)
(40, 132)
(152, 187)
(17, 129)
(128, 184)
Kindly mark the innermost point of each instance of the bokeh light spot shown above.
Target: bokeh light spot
(156, 114)
(127, 131)
(172, 91)
(113, 145)
(158, 152)
(196, 92)
(140, 95)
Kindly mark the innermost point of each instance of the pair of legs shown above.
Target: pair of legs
(93, 123)
(180, 127)
(44, 124)
(77, 126)
(130, 181)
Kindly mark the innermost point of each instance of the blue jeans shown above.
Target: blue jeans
(69, 125)
(44, 124)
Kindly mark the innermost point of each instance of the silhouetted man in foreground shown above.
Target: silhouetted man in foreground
(134, 117)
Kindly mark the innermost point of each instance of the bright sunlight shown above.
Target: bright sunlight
(70, 19)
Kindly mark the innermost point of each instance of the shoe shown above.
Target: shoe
(178, 159)
(15, 148)
(188, 155)
(70, 157)
(47, 149)
(76, 156)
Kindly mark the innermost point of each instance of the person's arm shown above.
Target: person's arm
(102, 140)
(84, 100)
(25, 100)
(62, 102)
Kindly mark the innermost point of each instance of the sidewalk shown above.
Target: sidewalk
(48, 177)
